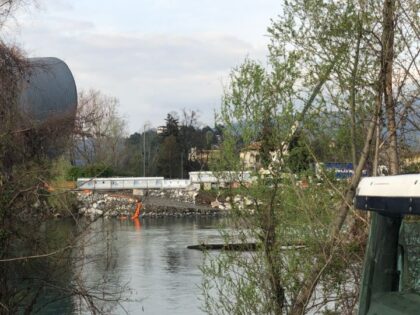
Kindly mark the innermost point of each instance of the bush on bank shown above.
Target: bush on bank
(92, 170)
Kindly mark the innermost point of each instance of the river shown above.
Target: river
(150, 256)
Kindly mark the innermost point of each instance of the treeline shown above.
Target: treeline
(166, 151)
(102, 147)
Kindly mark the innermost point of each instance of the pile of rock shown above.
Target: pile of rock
(159, 207)
(182, 195)
(237, 202)
(155, 204)
(173, 202)
(97, 204)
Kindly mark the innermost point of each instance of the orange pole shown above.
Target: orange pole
(137, 213)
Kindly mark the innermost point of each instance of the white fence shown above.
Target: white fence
(118, 183)
(219, 177)
(175, 183)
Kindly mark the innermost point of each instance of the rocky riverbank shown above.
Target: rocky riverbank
(155, 204)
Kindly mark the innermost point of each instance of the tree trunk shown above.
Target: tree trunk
(353, 97)
(377, 143)
(270, 241)
(387, 65)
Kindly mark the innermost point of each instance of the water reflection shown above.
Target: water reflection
(137, 224)
(43, 284)
(149, 255)
(152, 256)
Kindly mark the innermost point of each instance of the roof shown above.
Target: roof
(254, 146)
(48, 89)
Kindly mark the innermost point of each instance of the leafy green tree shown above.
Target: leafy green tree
(267, 286)
(322, 90)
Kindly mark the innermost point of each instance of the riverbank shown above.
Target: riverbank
(94, 204)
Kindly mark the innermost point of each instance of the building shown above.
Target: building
(160, 130)
(251, 156)
(203, 157)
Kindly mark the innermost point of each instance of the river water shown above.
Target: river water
(150, 255)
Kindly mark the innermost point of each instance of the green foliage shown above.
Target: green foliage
(309, 104)
(169, 164)
(63, 203)
(93, 170)
(301, 218)
(172, 126)
(173, 148)
(59, 169)
(413, 168)
(299, 158)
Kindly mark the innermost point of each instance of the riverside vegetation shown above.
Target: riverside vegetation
(341, 83)
(35, 263)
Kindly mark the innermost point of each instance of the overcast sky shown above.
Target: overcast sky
(155, 56)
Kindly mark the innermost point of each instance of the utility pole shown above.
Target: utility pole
(144, 147)
(144, 151)
(182, 164)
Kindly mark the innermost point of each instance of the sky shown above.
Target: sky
(155, 56)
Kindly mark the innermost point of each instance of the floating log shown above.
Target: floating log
(240, 246)
(234, 247)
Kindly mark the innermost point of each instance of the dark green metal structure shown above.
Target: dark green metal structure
(390, 278)
(48, 90)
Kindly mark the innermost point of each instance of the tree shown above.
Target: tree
(253, 95)
(99, 132)
(389, 23)
(169, 158)
(325, 64)
(383, 88)
(172, 125)
(7, 9)
(31, 261)
(192, 136)
(133, 163)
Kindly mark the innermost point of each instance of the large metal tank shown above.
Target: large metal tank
(47, 103)
(48, 91)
